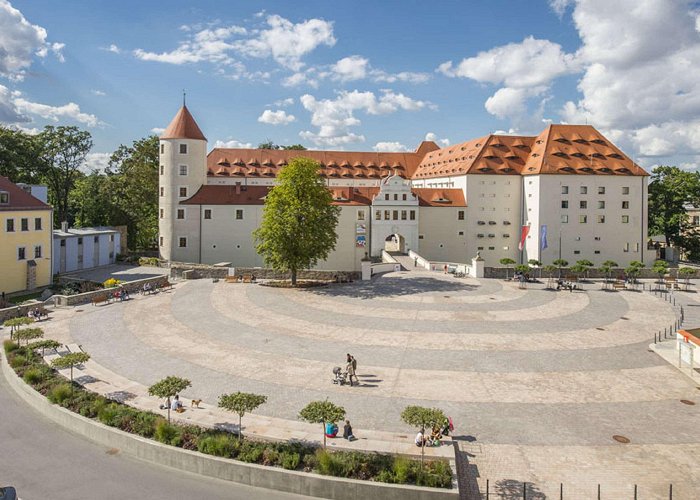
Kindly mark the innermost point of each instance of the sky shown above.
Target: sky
(357, 75)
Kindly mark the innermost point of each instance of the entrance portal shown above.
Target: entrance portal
(395, 243)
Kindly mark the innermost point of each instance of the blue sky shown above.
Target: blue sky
(358, 75)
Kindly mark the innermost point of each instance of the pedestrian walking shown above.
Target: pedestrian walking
(351, 368)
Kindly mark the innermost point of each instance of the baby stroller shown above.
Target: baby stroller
(340, 377)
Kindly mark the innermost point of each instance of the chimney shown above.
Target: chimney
(238, 188)
(64, 226)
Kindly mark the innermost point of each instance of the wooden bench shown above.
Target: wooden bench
(619, 286)
(247, 278)
(99, 299)
(231, 279)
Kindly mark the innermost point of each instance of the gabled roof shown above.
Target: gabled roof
(19, 199)
(183, 126)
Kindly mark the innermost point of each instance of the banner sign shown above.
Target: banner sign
(360, 241)
(523, 236)
(360, 229)
(543, 236)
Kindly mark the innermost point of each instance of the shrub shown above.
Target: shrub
(310, 462)
(33, 376)
(289, 460)
(10, 346)
(403, 470)
(250, 452)
(270, 455)
(437, 474)
(219, 445)
(59, 394)
(145, 424)
(166, 433)
(111, 282)
(18, 361)
(117, 415)
(325, 464)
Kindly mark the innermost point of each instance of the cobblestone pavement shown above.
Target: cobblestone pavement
(537, 381)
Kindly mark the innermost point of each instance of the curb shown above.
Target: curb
(301, 483)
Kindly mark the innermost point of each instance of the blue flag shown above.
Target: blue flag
(543, 236)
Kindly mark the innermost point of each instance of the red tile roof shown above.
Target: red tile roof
(183, 126)
(19, 198)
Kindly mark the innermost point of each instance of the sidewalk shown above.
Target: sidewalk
(99, 379)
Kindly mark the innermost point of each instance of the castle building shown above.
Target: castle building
(567, 193)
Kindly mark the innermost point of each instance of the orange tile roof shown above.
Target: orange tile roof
(19, 198)
(183, 126)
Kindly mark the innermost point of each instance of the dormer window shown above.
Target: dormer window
(4, 198)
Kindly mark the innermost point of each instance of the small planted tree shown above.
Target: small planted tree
(44, 344)
(607, 268)
(686, 273)
(578, 269)
(14, 324)
(585, 264)
(633, 270)
(322, 412)
(536, 263)
(422, 418)
(507, 262)
(560, 263)
(169, 387)
(549, 270)
(660, 267)
(28, 334)
(241, 403)
(69, 361)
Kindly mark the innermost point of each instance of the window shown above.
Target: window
(162, 213)
(37, 223)
(80, 241)
(377, 215)
(564, 219)
(506, 235)
(564, 203)
(696, 220)
(577, 252)
(636, 247)
(625, 190)
(460, 215)
(162, 169)
(601, 204)
(162, 148)
(207, 213)
(601, 189)
(183, 192)
(161, 240)
(182, 242)
(565, 190)
(413, 215)
(396, 197)
(10, 225)
(582, 219)
(386, 196)
(396, 215)
(479, 248)
(80, 259)
(600, 219)
(421, 236)
(625, 219)
(404, 215)
(583, 204)
(181, 213)
(239, 214)
(37, 252)
(183, 169)
(492, 248)
(25, 224)
(387, 215)
(596, 252)
(597, 238)
(584, 189)
(183, 149)
(460, 233)
(626, 247)
(96, 239)
(4, 198)
(403, 197)
(21, 253)
(360, 215)
(63, 242)
(625, 205)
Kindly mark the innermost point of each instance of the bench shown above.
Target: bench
(100, 299)
(619, 286)
(231, 279)
(247, 278)
(166, 284)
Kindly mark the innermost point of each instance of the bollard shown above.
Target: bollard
(670, 491)
(487, 489)
(635, 492)
(524, 491)
(561, 491)
(599, 492)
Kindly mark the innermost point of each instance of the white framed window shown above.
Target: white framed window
(377, 215)
(582, 219)
(182, 191)
(24, 224)
(21, 253)
(584, 189)
(207, 213)
(162, 191)
(625, 190)
(239, 214)
(162, 148)
(395, 214)
(387, 214)
(161, 240)
(183, 149)
(412, 215)
(625, 205)
(360, 215)
(583, 204)
(626, 247)
(162, 213)
(404, 215)
(460, 215)
(601, 204)
(600, 219)
(181, 213)
(182, 242)
(601, 189)
(162, 169)
(565, 190)
(9, 225)
(625, 219)
(37, 251)
(183, 169)
(37, 224)
(564, 203)
(564, 219)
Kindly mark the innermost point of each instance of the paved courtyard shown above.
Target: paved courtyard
(537, 381)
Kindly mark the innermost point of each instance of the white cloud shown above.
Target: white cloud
(232, 143)
(287, 42)
(210, 44)
(279, 117)
(404, 76)
(157, 130)
(69, 111)
(96, 161)
(300, 78)
(431, 136)
(356, 67)
(284, 102)
(335, 117)
(114, 49)
(20, 41)
(350, 68)
(98, 93)
(559, 6)
(389, 147)
(8, 110)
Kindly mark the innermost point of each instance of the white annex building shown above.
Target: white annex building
(567, 193)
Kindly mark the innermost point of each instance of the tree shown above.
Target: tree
(686, 273)
(69, 361)
(19, 156)
(91, 202)
(241, 403)
(522, 268)
(63, 152)
(28, 334)
(43, 345)
(169, 387)
(586, 264)
(660, 267)
(422, 418)
(268, 144)
(633, 270)
(607, 268)
(549, 270)
(14, 324)
(322, 412)
(578, 269)
(536, 263)
(506, 261)
(560, 263)
(295, 147)
(299, 220)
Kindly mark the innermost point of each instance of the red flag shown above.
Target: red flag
(523, 236)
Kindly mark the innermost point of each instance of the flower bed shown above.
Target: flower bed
(288, 455)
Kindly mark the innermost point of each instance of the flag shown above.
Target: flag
(523, 236)
(543, 236)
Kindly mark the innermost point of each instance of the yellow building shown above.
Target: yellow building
(25, 240)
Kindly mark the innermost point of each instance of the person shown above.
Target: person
(352, 369)
(176, 404)
(445, 268)
(331, 429)
(435, 437)
(415, 261)
(347, 431)
(420, 440)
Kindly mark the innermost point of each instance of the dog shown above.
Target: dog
(195, 403)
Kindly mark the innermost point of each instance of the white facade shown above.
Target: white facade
(395, 217)
(84, 248)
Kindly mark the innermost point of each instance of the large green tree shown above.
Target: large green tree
(63, 152)
(19, 156)
(299, 219)
(671, 189)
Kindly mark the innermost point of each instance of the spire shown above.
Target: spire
(183, 126)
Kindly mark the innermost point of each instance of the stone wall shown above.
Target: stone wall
(85, 298)
(207, 271)
(500, 272)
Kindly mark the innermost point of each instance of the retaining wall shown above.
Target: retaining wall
(500, 272)
(206, 271)
(85, 298)
(301, 483)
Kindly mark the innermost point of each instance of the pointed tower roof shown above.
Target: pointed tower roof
(183, 126)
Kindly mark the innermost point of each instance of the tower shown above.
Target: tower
(182, 171)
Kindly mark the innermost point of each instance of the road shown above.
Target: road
(42, 460)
